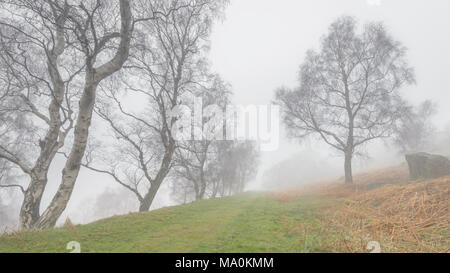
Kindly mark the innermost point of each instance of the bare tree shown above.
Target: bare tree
(208, 169)
(54, 56)
(193, 162)
(414, 131)
(238, 166)
(348, 94)
(196, 158)
(164, 65)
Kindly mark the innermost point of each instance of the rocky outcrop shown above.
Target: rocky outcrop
(427, 166)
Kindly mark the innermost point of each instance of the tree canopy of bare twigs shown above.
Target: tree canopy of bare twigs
(167, 62)
(210, 169)
(415, 131)
(54, 55)
(349, 90)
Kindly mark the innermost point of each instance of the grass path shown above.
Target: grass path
(247, 223)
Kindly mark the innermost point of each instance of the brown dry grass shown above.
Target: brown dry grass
(383, 206)
(404, 218)
(68, 223)
(337, 188)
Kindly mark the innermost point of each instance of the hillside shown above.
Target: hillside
(327, 217)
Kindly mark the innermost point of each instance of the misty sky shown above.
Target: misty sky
(260, 45)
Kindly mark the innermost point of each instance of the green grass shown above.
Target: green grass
(250, 222)
(247, 223)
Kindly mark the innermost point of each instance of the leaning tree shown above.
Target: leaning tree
(168, 61)
(54, 55)
(349, 90)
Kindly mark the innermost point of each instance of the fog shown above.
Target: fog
(261, 45)
(257, 47)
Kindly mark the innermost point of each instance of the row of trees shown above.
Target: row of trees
(349, 93)
(64, 63)
(213, 168)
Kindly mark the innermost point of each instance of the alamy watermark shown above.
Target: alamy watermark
(74, 246)
(374, 2)
(194, 121)
(374, 247)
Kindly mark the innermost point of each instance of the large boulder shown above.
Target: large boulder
(427, 166)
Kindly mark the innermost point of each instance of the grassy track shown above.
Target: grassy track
(246, 223)
(258, 222)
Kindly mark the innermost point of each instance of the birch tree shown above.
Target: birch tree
(209, 169)
(196, 157)
(349, 90)
(415, 131)
(168, 61)
(55, 54)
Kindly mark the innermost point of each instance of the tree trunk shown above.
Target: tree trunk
(29, 212)
(201, 194)
(73, 163)
(156, 184)
(348, 168)
(54, 139)
(215, 189)
(86, 107)
(149, 197)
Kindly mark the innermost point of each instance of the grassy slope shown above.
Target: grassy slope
(246, 223)
(403, 217)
